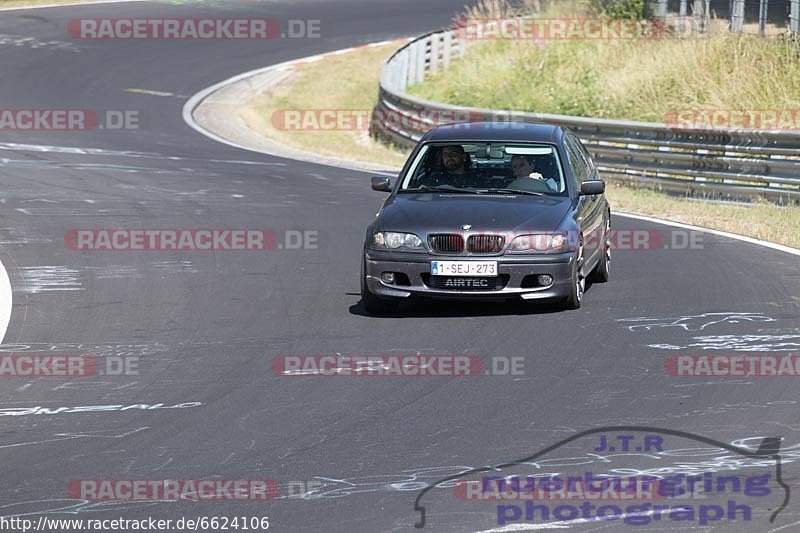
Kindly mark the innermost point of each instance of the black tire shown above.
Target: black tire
(374, 305)
(578, 286)
(601, 271)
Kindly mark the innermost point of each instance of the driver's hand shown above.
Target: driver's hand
(535, 176)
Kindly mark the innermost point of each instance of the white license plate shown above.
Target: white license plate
(464, 268)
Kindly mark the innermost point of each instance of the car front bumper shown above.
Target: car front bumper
(511, 268)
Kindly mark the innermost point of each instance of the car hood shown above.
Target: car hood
(433, 212)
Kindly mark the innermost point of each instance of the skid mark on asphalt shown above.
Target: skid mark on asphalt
(94, 349)
(695, 322)
(100, 434)
(115, 272)
(174, 267)
(726, 408)
(738, 343)
(33, 43)
(37, 279)
(51, 278)
(16, 235)
(93, 385)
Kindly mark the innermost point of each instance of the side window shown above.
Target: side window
(580, 167)
(586, 156)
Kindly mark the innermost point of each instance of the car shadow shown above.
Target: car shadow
(449, 309)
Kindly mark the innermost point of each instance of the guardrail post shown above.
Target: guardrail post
(420, 63)
(794, 17)
(434, 62)
(682, 18)
(398, 74)
(737, 16)
(448, 48)
(662, 11)
(698, 12)
(390, 73)
(409, 56)
(411, 79)
(762, 18)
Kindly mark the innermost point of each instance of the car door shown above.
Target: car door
(599, 205)
(589, 211)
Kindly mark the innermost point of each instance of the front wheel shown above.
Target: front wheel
(578, 285)
(374, 305)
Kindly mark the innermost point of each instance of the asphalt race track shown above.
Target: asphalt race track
(205, 327)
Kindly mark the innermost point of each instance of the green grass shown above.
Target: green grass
(623, 79)
(345, 82)
(761, 220)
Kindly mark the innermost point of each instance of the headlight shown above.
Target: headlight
(539, 243)
(392, 240)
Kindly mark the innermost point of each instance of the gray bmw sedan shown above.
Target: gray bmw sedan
(489, 210)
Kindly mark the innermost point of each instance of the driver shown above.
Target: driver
(456, 166)
(454, 159)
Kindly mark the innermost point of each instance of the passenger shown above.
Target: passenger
(524, 167)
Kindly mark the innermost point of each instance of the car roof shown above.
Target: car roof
(495, 131)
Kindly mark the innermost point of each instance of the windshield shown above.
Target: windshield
(486, 167)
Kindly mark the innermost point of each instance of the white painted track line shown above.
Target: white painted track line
(69, 4)
(5, 301)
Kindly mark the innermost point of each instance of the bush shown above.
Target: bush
(623, 9)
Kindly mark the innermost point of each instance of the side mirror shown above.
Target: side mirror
(382, 184)
(591, 187)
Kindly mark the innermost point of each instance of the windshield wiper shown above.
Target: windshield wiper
(511, 191)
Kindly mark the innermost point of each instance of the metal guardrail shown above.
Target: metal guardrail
(723, 164)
